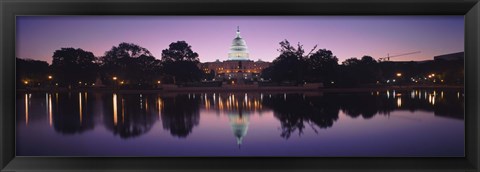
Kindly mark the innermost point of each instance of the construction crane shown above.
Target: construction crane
(398, 55)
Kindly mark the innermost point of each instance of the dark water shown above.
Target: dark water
(393, 123)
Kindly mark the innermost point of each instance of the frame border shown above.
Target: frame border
(11, 8)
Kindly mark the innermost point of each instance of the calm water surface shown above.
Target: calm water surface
(387, 123)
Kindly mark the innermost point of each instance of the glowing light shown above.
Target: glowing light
(146, 104)
(399, 74)
(246, 98)
(433, 100)
(50, 114)
(220, 103)
(115, 118)
(214, 99)
(80, 106)
(114, 78)
(26, 109)
(399, 102)
(160, 105)
(46, 103)
(50, 77)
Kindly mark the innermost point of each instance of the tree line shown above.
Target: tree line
(295, 67)
(127, 64)
(131, 65)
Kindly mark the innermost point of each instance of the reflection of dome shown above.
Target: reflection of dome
(239, 124)
(238, 50)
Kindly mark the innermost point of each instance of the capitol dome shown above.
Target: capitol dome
(238, 50)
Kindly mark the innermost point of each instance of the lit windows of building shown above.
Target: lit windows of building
(238, 64)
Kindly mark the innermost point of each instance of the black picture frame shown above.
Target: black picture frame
(11, 8)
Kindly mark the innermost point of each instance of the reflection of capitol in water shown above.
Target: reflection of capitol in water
(132, 115)
(239, 124)
(238, 107)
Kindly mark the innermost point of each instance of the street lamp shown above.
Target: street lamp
(115, 82)
(159, 82)
(399, 74)
(50, 77)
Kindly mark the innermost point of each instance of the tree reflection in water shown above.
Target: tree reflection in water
(295, 111)
(180, 114)
(73, 117)
(132, 115)
(129, 115)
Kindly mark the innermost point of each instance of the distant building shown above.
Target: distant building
(238, 66)
(450, 57)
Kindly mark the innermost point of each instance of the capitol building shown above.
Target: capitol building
(238, 68)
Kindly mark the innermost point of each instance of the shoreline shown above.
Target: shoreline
(243, 89)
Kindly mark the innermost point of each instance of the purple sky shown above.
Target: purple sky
(210, 36)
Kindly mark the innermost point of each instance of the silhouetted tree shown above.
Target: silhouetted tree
(323, 66)
(71, 66)
(180, 62)
(359, 72)
(32, 71)
(130, 62)
(351, 62)
(290, 65)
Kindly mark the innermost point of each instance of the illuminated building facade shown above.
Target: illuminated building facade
(238, 66)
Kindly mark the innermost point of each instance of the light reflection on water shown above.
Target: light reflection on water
(242, 124)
